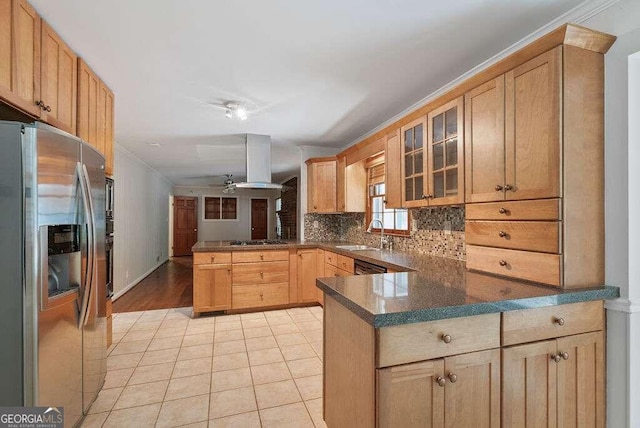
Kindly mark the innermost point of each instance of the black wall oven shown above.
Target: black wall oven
(109, 232)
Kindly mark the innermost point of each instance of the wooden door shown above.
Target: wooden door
(533, 128)
(87, 108)
(484, 142)
(58, 81)
(472, 393)
(529, 385)
(581, 381)
(185, 224)
(259, 209)
(410, 395)
(20, 55)
(307, 290)
(414, 181)
(211, 287)
(393, 170)
(322, 186)
(445, 148)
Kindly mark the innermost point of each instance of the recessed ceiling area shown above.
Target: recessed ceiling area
(319, 73)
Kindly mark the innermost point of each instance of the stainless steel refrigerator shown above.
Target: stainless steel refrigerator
(52, 269)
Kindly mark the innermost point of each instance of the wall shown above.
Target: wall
(622, 237)
(228, 230)
(289, 210)
(428, 234)
(141, 220)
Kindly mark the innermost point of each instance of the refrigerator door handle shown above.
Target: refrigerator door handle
(86, 287)
(94, 243)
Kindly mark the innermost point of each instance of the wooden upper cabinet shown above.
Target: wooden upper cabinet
(533, 128)
(413, 156)
(321, 185)
(341, 184)
(484, 142)
(351, 186)
(20, 55)
(393, 170)
(109, 103)
(58, 81)
(445, 148)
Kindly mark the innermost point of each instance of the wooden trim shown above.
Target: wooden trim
(322, 159)
(569, 34)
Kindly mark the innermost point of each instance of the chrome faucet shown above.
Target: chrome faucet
(383, 240)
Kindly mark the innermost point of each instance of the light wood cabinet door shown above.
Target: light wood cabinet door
(341, 184)
(211, 287)
(533, 128)
(581, 381)
(58, 81)
(414, 180)
(321, 188)
(529, 385)
(445, 159)
(410, 395)
(320, 273)
(484, 142)
(87, 109)
(393, 170)
(472, 392)
(20, 55)
(109, 103)
(307, 290)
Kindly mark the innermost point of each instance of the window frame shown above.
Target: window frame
(373, 162)
(220, 198)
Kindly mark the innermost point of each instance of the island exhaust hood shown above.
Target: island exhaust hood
(258, 163)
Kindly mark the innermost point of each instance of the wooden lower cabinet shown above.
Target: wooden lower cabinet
(211, 288)
(457, 391)
(558, 382)
(307, 290)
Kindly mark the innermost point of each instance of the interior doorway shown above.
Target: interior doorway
(185, 224)
(259, 216)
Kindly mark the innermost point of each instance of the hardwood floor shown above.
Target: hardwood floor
(169, 286)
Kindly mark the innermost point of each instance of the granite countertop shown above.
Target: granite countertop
(430, 288)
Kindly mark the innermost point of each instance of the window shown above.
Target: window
(395, 221)
(216, 208)
(278, 220)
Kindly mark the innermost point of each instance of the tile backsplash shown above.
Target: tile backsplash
(427, 231)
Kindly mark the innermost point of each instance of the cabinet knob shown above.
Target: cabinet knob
(446, 338)
(315, 207)
(40, 104)
(503, 262)
(559, 321)
(508, 187)
(440, 381)
(213, 258)
(261, 256)
(453, 378)
(261, 275)
(48, 108)
(502, 211)
(564, 355)
(556, 357)
(424, 196)
(498, 187)
(229, 271)
(503, 234)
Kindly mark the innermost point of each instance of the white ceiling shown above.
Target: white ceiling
(318, 73)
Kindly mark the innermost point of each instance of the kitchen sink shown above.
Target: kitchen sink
(357, 248)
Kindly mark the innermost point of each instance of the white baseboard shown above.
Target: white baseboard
(118, 294)
(623, 305)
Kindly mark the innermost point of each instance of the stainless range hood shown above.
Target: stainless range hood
(258, 163)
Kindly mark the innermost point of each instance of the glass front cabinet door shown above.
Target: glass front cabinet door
(446, 154)
(433, 157)
(413, 162)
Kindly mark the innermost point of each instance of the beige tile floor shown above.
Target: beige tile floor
(165, 369)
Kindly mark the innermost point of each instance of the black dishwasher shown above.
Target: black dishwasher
(365, 268)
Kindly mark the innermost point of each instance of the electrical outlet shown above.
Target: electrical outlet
(315, 224)
(447, 227)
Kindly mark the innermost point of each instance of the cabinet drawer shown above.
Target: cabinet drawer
(530, 325)
(345, 263)
(331, 258)
(330, 270)
(538, 267)
(542, 209)
(408, 343)
(208, 258)
(254, 296)
(541, 236)
(260, 273)
(259, 256)
(342, 272)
